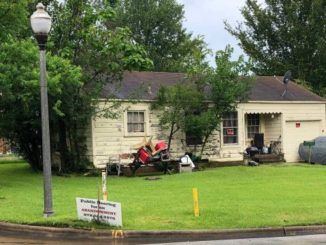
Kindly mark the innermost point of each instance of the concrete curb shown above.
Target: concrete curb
(180, 235)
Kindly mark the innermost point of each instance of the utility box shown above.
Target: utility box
(186, 164)
(185, 167)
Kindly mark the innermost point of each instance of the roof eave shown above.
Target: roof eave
(284, 102)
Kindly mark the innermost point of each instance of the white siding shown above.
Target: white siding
(283, 114)
(272, 127)
(109, 135)
(296, 132)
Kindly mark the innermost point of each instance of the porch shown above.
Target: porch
(269, 158)
(263, 136)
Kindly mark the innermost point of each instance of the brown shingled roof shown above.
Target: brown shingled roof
(145, 85)
(142, 85)
(270, 88)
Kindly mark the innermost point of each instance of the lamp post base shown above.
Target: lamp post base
(48, 214)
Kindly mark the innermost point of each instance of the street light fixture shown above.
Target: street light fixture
(41, 25)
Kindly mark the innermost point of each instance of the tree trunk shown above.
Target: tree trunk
(170, 136)
(76, 144)
(64, 157)
(32, 154)
(204, 143)
(71, 148)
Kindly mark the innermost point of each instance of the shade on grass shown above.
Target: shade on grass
(230, 197)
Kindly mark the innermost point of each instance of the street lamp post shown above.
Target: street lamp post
(41, 25)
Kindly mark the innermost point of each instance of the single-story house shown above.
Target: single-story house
(284, 121)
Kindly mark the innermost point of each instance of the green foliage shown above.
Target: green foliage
(285, 35)
(13, 19)
(84, 55)
(229, 84)
(20, 100)
(157, 25)
(226, 86)
(198, 106)
(80, 34)
(174, 104)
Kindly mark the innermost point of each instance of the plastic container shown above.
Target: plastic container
(161, 146)
(144, 156)
(265, 149)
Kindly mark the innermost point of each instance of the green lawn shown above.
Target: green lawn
(230, 197)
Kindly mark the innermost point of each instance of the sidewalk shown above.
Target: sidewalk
(160, 236)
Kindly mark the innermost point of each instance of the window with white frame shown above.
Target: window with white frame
(253, 125)
(230, 128)
(136, 121)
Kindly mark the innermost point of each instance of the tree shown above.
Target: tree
(20, 100)
(81, 36)
(13, 18)
(157, 25)
(285, 35)
(83, 56)
(175, 103)
(226, 86)
(197, 108)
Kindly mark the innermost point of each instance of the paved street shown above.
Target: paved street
(292, 240)
(35, 241)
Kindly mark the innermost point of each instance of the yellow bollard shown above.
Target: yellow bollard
(195, 201)
(117, 234)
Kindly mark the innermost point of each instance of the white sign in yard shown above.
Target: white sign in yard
(99, 210)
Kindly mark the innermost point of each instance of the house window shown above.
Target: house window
(253, 125)
(230, 128)
(192, 139)
(136, 121)
(193, 135)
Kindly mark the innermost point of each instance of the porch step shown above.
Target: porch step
(226, 159)
(269, 158)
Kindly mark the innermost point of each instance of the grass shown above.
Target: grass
(10, 158)
(230, 197)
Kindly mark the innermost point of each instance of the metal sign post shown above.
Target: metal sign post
(104, 189)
